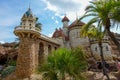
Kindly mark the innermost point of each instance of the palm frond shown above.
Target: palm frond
(85, 28)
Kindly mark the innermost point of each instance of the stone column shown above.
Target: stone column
(26, 61)
(45, 51)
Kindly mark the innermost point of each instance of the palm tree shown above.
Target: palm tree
(97, 34)
(104, 13)
(38, 24)
(64, 63)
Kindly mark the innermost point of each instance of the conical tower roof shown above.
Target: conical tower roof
(76, 23)
(28, 13)
(65, 19)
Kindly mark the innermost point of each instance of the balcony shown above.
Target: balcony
(27, 28)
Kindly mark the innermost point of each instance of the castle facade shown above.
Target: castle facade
(34, 46)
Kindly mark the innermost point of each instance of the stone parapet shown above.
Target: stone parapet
(27, 28)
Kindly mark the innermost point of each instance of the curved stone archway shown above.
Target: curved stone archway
(49, 49)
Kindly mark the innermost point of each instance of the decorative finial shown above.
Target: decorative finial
(29, 5)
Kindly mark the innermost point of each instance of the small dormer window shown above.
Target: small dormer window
(107, 48)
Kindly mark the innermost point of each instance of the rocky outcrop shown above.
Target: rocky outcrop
(8, 51)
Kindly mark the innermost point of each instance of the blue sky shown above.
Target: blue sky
(49, 12)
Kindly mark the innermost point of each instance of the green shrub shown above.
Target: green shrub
(12, 63)
(64, 63)
(8, 70)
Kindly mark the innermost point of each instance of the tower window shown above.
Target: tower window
(29, 24)
(95, 48)
(107, 48)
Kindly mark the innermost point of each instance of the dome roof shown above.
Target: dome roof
(65, 19)
(76, 23)
(28, 12)
(59, 33)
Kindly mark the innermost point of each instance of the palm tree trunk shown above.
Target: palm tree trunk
(113, 39)
(107, 28)
(103, 60)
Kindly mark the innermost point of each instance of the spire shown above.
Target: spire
(29, 5)
(29, 12)
(28, 18)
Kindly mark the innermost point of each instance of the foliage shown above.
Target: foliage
(12, 62)
(64, 62)
(8, 70)
(92, 32)
(106, 14)
(102, 10)
(79, 53)
(38, 24)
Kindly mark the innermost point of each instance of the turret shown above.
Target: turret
(29, 35)
(28, 19)
(65, 21)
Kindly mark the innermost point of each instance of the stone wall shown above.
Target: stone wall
(27, 57)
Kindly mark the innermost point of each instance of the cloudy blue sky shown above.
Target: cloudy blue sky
(49, 12)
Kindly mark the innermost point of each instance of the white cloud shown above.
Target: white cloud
(56, 21)
(50, 35)
(52, 17)
(2, 42)
(68, 7)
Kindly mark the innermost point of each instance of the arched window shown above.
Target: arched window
(41, 52)
(107, 48)
(49, 49)
(55, 48)
(29, 24)
(96, 48)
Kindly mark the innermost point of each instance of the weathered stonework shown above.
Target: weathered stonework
(27, 58)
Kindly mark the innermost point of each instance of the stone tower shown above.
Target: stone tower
(29, 35)
(65, 21)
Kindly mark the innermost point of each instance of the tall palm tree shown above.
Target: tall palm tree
(64, 62)
(104, 13)
(95, 33)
